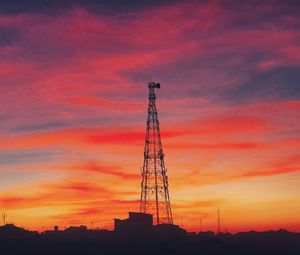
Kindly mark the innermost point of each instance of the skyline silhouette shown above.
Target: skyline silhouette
(156, 239)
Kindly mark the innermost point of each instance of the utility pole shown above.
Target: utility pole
(155, 197)
(219, 222)
(201, 227)
(4, 217)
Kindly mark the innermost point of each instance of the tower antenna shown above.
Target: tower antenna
(4, 217)
(219, 222)
(201, 226)
(155, 197)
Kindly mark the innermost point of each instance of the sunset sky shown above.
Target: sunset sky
(73, 108)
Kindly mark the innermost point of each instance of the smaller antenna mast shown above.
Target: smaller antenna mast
(219, 222)
(201, 226)
(4, 217)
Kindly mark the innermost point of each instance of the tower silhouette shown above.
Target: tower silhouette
(155, 197)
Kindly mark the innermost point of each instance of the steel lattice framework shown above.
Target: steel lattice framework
(155, 197)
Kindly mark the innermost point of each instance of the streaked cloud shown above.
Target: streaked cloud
(73, 100)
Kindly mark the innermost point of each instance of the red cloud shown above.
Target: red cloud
(128, 138)
(220, 125)
(215, 146)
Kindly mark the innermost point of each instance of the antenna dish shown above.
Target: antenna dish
(153, 85)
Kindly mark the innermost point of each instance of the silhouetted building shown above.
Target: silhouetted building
(79, 229)
(167, 231)
(206, 235)
(137, 222)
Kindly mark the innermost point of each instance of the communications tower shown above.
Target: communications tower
(155, 197)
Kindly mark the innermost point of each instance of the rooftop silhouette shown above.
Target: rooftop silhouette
(130, 239)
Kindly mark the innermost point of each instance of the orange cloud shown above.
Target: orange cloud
(198, 204)
(203, 177)
(271, 172)
(53, 194)
(110, 170)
